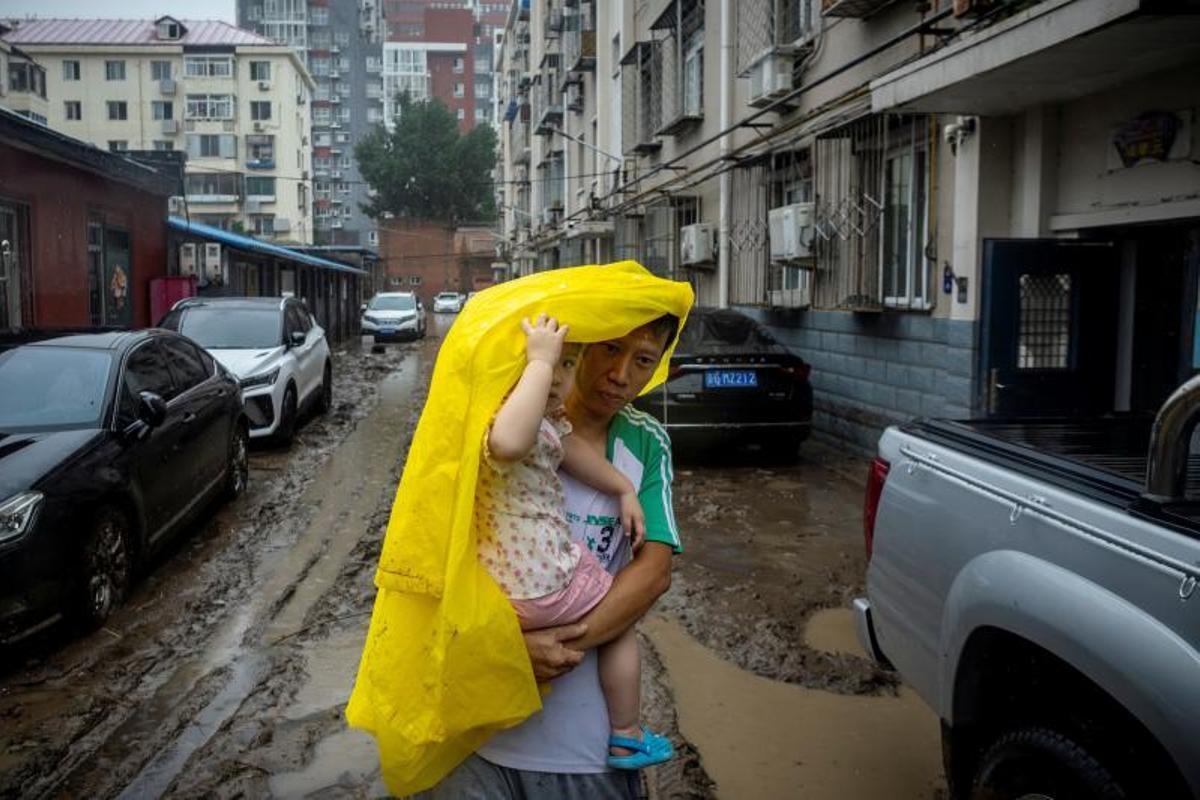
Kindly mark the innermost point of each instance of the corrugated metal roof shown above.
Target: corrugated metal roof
(253, 245)
(129, 32)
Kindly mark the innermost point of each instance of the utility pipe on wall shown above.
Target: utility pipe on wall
(726, 147)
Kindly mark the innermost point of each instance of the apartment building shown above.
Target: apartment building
(22, 81)
(341, 43)
(432, 59)
(235, 102)
(951, 209)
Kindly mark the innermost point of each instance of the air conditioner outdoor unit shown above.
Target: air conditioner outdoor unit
(791, 231)
(258, 126)
(300, 100)
(264, 86)
(253, 206)
(283, 225)
(337, 223)
(166, 86)
(170, 126)
(212, 260)
(770, 79)
(335, 124)
(176, 207)
(187, 258)
(696, 244)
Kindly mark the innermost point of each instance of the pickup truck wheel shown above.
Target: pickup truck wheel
(1042, 764)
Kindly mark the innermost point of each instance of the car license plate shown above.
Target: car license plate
(730, 379)
(387, 331)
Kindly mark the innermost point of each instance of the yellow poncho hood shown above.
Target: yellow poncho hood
(444, 665)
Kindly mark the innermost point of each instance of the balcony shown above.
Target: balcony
(260, 163)
(547, 103)
(579, 42)
(518, 133)
(166, 87)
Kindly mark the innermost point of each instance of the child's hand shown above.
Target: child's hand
(633, 519)
(544, 339)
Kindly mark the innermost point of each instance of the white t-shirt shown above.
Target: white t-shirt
(570, 733)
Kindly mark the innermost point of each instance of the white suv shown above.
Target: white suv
(392, 315)
(447, 302)
(272, 345)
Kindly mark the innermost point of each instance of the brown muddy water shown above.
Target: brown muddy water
(226, 672)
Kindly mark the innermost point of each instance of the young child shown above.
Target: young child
(525, 542)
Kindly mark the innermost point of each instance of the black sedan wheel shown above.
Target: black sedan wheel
(237, 474)
(107, 567)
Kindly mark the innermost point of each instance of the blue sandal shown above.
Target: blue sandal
(650, 749)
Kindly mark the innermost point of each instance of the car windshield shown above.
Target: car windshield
(217, 328)
(725, 332)
(393, 303)
(447, 296)
(62, 388)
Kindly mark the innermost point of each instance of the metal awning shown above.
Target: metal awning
(251, 245)
(1055, 51)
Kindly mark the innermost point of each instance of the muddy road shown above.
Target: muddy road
(225, 673)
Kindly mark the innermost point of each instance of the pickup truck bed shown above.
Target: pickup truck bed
(1103, 459)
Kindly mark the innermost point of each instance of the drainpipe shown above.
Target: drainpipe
(1170, 439)
(726, 148)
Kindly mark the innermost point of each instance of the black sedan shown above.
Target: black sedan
(109, 443)
(732, 383)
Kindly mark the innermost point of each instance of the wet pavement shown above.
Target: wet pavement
(226, 671)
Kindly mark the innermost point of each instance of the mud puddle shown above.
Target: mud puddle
(762, 738)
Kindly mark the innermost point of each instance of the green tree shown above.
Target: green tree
(425, 169)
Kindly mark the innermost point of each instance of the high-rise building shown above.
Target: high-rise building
(341, 44)
(237, 103)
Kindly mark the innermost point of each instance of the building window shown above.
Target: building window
(342, 38)
(482, 65)
(218, 187)
(483, 90)
(260, 70)
(461, 114)
(209, 106)
(118, 145)
(318, 15)
(162, 109)
(414, 280)
(163, 144)
(254, 13)
(319, 66)
(70, 70)
(260, 187)
(260, 110)
(114, 70)
(263, 224)
(118, 109)
(208, 66)
(211, 145)
(260, 149)
(458, 65)
(1044, 335)
(373, 238)
(905, 223)
(460, 90)
(160, 70)
(481, 114)
(375, 115)
(73, 109)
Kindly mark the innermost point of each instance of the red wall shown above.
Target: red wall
(59, 199)
(432, 251)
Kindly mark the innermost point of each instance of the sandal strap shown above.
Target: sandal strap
(630, 744)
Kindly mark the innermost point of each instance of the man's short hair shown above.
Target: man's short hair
(667, 325)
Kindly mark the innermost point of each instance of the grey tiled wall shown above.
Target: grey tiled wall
(871, 370)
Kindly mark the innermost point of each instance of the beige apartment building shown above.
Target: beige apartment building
(235, 102)
(954, 208)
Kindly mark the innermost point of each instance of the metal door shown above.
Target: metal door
(1048, 327)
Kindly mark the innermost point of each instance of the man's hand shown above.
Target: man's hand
(544, 340)
(549, 656)
(633, 519)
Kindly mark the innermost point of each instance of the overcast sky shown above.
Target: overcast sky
(125, 9)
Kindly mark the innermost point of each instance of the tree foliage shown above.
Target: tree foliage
(425, 169)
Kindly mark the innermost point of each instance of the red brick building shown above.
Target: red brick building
(446, 36)
(431, 257)
(83, 231)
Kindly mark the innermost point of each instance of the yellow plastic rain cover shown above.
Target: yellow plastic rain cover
(444, 665)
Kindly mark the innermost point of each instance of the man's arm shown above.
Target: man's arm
(634, 590)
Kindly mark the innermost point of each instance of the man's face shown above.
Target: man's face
(612, 373)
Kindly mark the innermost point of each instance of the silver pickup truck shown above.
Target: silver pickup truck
(1036, 583)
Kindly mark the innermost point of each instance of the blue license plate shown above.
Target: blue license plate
(730, 379)
(387, 331)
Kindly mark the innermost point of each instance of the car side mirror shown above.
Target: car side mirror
(297, 338)
(152, 409)
(363, 307)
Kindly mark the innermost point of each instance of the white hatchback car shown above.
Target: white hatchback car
(272, 345)
(447, 303)
(392, 315)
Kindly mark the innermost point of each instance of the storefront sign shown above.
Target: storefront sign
(1155, 136)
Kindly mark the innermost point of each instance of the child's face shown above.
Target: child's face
(564, 376)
